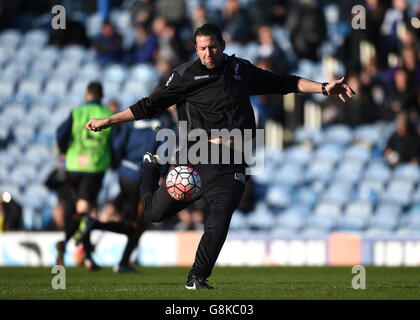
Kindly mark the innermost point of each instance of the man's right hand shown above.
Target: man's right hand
(98, 124)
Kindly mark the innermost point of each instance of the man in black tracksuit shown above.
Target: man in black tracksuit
(211, 92)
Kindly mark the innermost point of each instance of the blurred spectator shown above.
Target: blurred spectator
(269, 12)
(173, 11)
(10, 213)
(269, 49)
(403, 145)
(65, 207)
(143, 12)
(190, 218)
(199, 17)
(108, 44)
(144, 48)
(360, 109)
(171, 47)
(74, 33)
(411, 65)
(113, 106)
(236, 24)
(399, 97)
(307, 26)
(395, 15)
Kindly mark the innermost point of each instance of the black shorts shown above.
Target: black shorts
(86, 185)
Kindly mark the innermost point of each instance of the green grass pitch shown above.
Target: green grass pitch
(234, 283)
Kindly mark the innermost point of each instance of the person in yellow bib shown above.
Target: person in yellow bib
(87, 156)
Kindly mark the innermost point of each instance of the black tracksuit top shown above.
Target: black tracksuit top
(217, 98)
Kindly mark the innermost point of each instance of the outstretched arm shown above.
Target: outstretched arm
(334, 88)
(120, 117)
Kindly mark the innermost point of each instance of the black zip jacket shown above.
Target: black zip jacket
(217, 98)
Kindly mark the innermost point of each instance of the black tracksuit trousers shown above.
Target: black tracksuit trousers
(221, 190)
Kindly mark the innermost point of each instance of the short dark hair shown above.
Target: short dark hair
(95, 89)
(209, 29)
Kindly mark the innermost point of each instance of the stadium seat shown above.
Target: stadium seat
(290, 174)
(279, 196)
(261, 218)
(399, 192)
(292, 218)
(305, 196)
(145, 72)
(368, 190)
(314, 136)
(349, 171)
(340, 134)
(298, 154)
(7, 88)
(115, 73)
(111, 88)
(370, 134)
(338, 193)
(405, 171)
(56, 87)
(74, 53)
(35, 38)
(321, 223)
(239, 221)
(93, 24)
(13, 112)
(378, 171)
(319, 170)
(30, 88)
(328, 209)
(22, 175)
(357, 152)
(90, 71)
(10, 38)
(330, 152)
(135, 88)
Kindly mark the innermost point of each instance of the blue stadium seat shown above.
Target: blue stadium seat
(305, 196)
(7, 88)
(93, 24)
(368, 133)
(340, 134)
(22, 175)
(405, 171)
(320, 223)
(378, 171)
(319, 170)
(115, 73)
(330, 152)
(289, 174)
(399, 192)
(239, 221)
(338, 193)
(292, 218)
(56, 87)
(298, 154)
(349, 171)
(261, 218)
(147, 73)
(279, 196)
(135, 88)
(314, 136)
(111, 88)
(74, 53)
(13, 112)
(357, 152)
(35, 38)
(90, 71)
(328, 209)
(30, 88)
(10, 38)
(368, 190)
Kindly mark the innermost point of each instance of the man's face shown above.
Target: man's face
(209, 50)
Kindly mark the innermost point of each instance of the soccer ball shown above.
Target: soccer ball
(183, 183)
